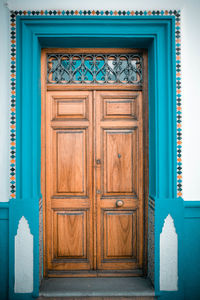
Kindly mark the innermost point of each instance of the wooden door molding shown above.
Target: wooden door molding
(75, 114)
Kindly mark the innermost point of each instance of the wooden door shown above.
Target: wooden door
(119, 176)
(69, 147)
(94, 183)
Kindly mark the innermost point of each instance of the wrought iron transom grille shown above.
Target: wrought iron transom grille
(94, 68)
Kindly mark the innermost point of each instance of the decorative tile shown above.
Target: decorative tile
(13, 15)
(151, 239)
(12, 174)
(40, 239)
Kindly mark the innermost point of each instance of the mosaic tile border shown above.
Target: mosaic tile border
(14, 14)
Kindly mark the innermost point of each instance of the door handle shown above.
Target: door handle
(119, 203)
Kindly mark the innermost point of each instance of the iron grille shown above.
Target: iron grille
(94, 68)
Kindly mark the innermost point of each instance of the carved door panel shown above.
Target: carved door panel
(119, 180)
(94, 183)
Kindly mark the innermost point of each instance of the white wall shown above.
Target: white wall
(190, 70)
(94, 4)
(4, 100)
(191, 99)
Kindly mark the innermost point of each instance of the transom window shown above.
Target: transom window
(94, 68)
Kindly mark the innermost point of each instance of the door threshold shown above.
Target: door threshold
(95, 273)
(97, 287)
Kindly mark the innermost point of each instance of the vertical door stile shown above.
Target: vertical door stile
(98, 164)
(94, 181)
(48, 183)
(141, 179)
(91, 180)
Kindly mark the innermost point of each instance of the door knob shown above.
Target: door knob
(119, 203)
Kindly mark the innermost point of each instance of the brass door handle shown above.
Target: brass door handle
(119, 203)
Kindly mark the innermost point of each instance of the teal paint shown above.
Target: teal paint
(191, 253)
(154, 33)
(4, 246)
(152, 86)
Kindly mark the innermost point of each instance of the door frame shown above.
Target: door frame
(81, 87)
(155, 33)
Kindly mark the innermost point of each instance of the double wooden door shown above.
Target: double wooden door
(93, 183)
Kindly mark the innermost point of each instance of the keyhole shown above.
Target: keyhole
(119, 155)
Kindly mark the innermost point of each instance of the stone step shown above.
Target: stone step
(138, 288)
(98, 298)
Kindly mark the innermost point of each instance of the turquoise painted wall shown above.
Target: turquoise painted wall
(191, 253)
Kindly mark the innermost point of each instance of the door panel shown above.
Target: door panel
(70, 226)
(120, 234)
(70, 161)
(120, 161)
(119, 108)
(119, 147)
(69, 108)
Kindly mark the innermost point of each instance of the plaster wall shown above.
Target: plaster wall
(4, 103)
(190, 77)
(168, 256)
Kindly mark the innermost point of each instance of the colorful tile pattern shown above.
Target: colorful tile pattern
(13, 106)
(13, 15)
(178, 104)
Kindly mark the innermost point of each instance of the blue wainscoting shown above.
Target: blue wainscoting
(189, 253)
(188, 228)
(191, 250)
(4, 250)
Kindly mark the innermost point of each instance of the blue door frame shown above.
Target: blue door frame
(157, 34)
